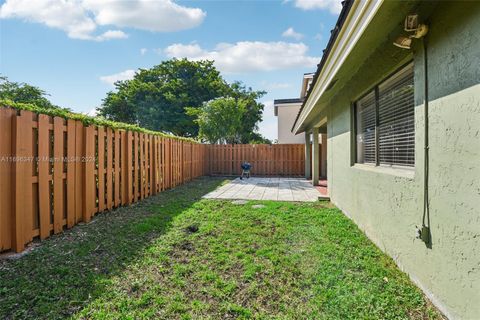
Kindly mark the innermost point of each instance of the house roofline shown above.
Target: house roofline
(347, 5)
(284, 101)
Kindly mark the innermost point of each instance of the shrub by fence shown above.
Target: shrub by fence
(57, 172)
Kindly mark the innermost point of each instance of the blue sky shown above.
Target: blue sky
(75, 49)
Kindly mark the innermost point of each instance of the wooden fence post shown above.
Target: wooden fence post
(6, 173)
(23, 152)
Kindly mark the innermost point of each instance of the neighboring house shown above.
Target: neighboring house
(286, 111)
(403, 135)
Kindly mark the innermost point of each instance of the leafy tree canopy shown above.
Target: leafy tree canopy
(253, 113)
(24, 93)
(219, 120)
(157, 98)
(222, 120)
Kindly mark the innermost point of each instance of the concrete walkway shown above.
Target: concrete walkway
(281, 189)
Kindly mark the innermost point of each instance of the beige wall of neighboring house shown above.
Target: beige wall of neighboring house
(287, 110)
(286, 114)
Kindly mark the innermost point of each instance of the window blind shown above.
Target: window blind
(366, 129)
(391, 116)
(396, 120)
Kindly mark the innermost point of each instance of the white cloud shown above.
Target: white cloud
(81, 18)
(275, 85)
(290, 33)
(124, 75)
(111, 34)
(143, 51)
(159, 15)
(68, 16)
(247, 56)
(334, 6)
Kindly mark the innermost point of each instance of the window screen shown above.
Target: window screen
(395, 125)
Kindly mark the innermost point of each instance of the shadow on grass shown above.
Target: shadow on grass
(65, 272)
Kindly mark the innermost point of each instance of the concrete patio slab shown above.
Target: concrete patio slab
(281, 189)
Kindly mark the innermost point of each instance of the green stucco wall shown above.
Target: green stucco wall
(386, 203)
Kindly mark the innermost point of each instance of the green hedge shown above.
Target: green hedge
(87, 120)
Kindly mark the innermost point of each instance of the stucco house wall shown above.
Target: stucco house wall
(387, 203)
(286, 117)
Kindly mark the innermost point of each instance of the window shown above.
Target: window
(384, 122)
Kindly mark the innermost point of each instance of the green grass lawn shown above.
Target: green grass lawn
(175, 256)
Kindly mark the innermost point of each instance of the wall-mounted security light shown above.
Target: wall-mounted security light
(411, 22)
(411, 25)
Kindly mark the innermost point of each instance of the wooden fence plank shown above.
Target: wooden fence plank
(44, 175)
(101, 168)
(136, 167)
(151, 181)
(58, 194)
(165, 164)
(71, 172)
(124, 168)
(89, 174)
(128, 168)
(162, 163)
(109, 169)
(79, 170)
(116, 162)
(155, 164)
(141, 166)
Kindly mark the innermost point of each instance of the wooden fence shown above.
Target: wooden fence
(266, 160)
(55, 173)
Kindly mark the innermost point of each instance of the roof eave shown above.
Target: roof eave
(352, 22)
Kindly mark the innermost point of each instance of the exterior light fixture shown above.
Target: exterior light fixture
(403, 42)
(411, 25)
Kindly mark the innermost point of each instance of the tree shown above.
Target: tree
(156, 98)
(220, 120)
(253, 115)
(24, 93)
(257, 138)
